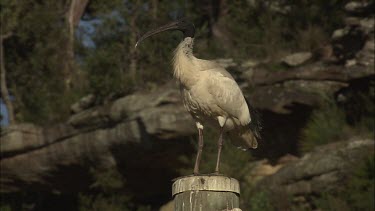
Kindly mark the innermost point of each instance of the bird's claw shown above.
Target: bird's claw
(216, 173)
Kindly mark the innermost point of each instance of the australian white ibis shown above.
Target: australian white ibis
(210, 94)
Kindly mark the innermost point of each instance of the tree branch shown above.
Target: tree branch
(4, 87)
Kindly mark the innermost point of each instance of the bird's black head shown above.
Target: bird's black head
(183, 25)
(186, 27)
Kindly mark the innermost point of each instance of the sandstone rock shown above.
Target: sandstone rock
(367, 25)
(129, 106)
(157, 115)
(352, 21)
(94, 117)
(167, 207)
(321, 170)
(297, 58)
(105, 135)
(339, 33)
(287, 158)
(20, 138)
(350, 62)
(357, 6)
(366, 55)
(83, 104)
(250, 63)
(261, 169)
(38, 164)
(168, 122)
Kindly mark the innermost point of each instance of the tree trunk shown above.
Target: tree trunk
(73, 15)
(4, 87)
(132, 41)
(154, 7)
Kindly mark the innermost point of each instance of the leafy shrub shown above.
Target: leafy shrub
(354, 117)
(261, 201)
(5, 208)
(108, 193)
(326, 125)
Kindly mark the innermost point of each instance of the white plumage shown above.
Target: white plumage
(210, 94)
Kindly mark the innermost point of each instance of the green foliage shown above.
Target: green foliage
(34, 57)
(361, 187)
(279, 26)
(360, 108)
(108, 180)
(5, 208)
(357, 194)
(326, 125)
(261, 201)
(35, 60)
(35, 53)
(274, 66)
(332, 123)
(105, 71)
(9, 15)
(108, 192)
(108, 64)
(100, 202)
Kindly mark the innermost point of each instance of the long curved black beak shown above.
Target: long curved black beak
(183, 25)
(170, 26)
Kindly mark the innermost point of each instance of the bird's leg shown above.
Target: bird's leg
(222, 121)
(200, 148)
(219, 145)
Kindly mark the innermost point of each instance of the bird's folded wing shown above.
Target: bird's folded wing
(228, 95)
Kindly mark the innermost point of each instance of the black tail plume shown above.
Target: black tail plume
(256, 122)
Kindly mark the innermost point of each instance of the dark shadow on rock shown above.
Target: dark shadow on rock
(356, 98)
(281, 132)
(148, 170)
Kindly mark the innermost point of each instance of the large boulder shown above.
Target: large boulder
(135, 127)
(325, 168)
(297, 59)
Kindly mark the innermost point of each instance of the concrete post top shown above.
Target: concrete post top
(205, 183)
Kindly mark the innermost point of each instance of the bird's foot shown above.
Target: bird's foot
(216, 173)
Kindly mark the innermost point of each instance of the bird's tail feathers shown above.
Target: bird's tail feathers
(256, 122)
(244, 140)
(248, 137)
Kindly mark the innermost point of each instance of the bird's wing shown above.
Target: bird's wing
(227, 94)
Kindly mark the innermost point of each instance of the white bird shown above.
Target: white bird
(210, 94)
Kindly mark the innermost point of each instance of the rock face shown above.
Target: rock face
(150, 129)
(297, 59)
(96, 134)
(83, 104)
(323, 169)
(359, 29)
(105, 136)
(278, 91)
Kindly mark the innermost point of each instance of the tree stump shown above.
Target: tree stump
(206, 193)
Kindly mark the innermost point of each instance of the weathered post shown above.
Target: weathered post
(206, 193)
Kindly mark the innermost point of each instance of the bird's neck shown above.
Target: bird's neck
(184, 62)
